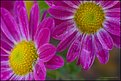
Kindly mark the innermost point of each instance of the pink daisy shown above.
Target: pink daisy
(25, 49)
(89, 28)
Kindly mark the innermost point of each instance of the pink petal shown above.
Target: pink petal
(66, 42)
(4, 52)
(50, 3)
(4, 58)
(46, 52)
(113, 14)
(58, 21)
(116, 40)
(113, 10)
(5, 75)
(44, 15)
(40, 71)
(9, 25)
(76, 2)
(87, 56)
(60, 3)
(47, 23)
(9, 5)
(34, 19)
(55, 63)
(60, 13)
(113, 19)
(112, 27)
(117, 5)
(6, 40)
(22, 18)
(19, 4)
(59, 31)
(71, 4)
(105, 39)
(101, 53)
(14, 77)
(5, 45)
(31, 76)
(74, 50)
(4, 65)
(42, 37)
(108, 4)
(6, 32)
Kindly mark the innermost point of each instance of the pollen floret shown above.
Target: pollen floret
(23, 57)
(89, 17)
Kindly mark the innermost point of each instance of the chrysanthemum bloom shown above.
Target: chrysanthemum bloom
(25, 49)
(89, 28)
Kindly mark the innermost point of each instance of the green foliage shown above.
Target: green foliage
(67, 72)
(43, 5)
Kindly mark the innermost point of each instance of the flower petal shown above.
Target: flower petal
(101, 53)
(4, 65)
(55, 63)
(4, 58)
(113, 10)
(62, 28)
(112, 27)
(87, 53)
(109, 4)
(6, 32)
(40, 71)
(50, 3)
(5, 75)
(46, 52)
(76, 2)
(105, 39)
(113, 14)
(9, 25)
(34, 19)
(66, 42)
(74, 50)
(116, 40)
(44, 15)
(5, 45)
(22, 18)
(47, 23)
(9, 5)
(31, 76)
(42, 37)
(60, 3)
(60, 13)
(6, 40)
(71, 4)
(117, 5)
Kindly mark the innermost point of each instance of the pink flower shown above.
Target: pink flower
(88, 28)
(25, 49)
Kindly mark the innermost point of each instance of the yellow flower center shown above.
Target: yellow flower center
(23, 57)
(89, 17)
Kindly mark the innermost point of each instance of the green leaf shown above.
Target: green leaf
(43, 5)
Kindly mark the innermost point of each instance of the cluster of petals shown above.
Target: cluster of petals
(85, 47)
(18, 27)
